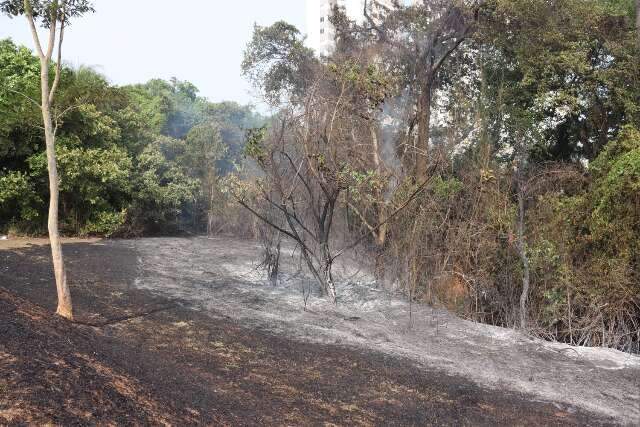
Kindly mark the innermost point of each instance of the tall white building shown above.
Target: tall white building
(320, 32)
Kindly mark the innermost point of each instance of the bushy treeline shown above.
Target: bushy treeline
(488, 150)
(133, 160)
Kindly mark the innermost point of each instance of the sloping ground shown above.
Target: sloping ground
(220, 275)
(52, 372)
(188, 364)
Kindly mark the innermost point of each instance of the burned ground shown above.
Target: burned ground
(184, 365)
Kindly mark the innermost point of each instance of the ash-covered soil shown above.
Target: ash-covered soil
(186, 331)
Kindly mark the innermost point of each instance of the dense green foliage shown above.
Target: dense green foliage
(132, 159)
(531, 212)
(556, 100)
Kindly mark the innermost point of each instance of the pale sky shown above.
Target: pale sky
(202, 41)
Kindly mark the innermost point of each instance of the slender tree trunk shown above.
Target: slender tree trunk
(522, 251)
(274, 263)
(424, 124)
(381, 240)
(65, 308)
(381, 233)
(381, 209)
(210, 204)
(327, 276)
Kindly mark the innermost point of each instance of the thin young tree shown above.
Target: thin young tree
(532, 181)
(54, 16)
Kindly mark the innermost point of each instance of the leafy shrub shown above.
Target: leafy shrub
(161, 189)
(105, 223)
(92, 181)
(18, 202)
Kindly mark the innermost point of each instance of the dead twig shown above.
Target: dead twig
(120, 319)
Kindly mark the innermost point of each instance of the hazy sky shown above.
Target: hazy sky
(132, 41)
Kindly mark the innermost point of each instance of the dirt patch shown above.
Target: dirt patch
(185, 366)
(57, 373)
(26, 242)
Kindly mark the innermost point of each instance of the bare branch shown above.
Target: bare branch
(52, 34)
(371, 228)
(265, 220)
(62, 114)
(411, 198)
(28, 98)
(56, 79)
(32, 26)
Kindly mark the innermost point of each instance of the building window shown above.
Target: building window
(322, 19)
(321, 30)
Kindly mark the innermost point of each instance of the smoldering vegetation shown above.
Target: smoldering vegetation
(222, 277)
(482, 155)
(455, 184)
(478, 167)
